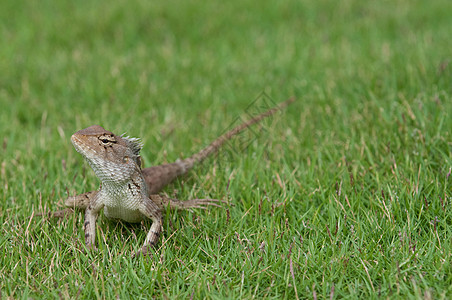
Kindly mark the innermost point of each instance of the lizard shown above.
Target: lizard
(128, 192)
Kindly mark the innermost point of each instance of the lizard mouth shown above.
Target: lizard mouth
(75, 142)
(80, 146)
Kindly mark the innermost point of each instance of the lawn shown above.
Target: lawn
(345, 194)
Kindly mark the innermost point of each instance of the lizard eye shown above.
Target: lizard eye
(105, 139)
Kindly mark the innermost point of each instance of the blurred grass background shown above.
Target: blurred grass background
(345, 194)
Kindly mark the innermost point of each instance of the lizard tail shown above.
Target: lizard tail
(188, 163)
(158, 176)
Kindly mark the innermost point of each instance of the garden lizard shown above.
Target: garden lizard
(128, 192)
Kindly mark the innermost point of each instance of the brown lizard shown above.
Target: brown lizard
(127, 191)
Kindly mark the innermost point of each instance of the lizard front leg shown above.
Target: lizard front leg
(151, 210)
(90, 224)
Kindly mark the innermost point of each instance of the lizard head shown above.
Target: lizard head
(113, 158)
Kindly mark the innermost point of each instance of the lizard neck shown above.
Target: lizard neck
(122, 200)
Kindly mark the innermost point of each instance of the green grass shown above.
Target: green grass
(347, 194)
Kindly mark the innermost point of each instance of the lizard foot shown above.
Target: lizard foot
(57, 214)
(91, 248)
(143, 251)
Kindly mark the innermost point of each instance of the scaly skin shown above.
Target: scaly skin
(128, 192)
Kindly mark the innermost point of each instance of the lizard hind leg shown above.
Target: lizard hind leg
(194, 203)
(164, 201)
(81, 201)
